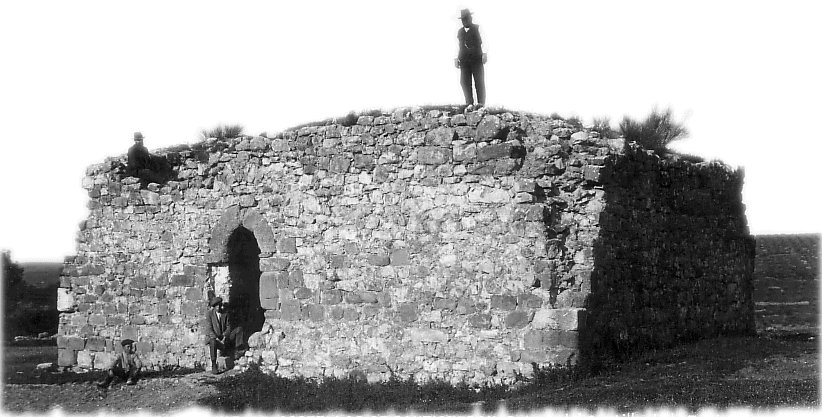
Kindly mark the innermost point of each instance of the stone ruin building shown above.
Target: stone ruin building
(417, 243)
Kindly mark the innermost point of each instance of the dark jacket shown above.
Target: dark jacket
(214, 327)
(138, 158)
(470, 45)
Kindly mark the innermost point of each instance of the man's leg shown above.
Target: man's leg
(115, 372)
(212, 350)
(133, 374)
(465, 82)
(479, 82)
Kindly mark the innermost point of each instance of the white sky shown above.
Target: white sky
(78, 78)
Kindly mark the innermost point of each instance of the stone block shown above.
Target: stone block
(529, 301)
(339, 164)
(79, 320)
(265, 237)
(517, 319)
(85, 359)
(368, 297)
(75, 343)
(303, 293)
(296, 279)
(66, 357)
(290, 310)
(268, 284)
(182, 280)
(425, 335)
(559, 319)
(432, 155)
(400, 257)
(194, 294)
(407, 312)
(529, 356)
(65, 300)
(351, 314)
(441, 136)
(96, 343)
(287, 245)
(504, 302)
(571, 299)
(480, 321)
(316, 312)
(128, 332)
(445, 304)
(560, 339)
(193, 308)
(103, 360)
(274, 264)
(379, 260)
(224, 363)
(532, 340)
(271, 302)
(331, 297)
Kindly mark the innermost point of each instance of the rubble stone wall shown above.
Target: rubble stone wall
(416, 243)
(674, 259)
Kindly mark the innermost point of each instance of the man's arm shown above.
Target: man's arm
(137, 362)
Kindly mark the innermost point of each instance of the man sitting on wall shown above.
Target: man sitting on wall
(126, 365)
(143, 165)
(221, 334)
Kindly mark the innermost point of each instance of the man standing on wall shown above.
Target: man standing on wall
(471, 61)
(220, 333)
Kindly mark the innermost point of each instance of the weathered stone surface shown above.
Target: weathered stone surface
(425, 335)
(65, 300)
(85, 359)
(456, 226)
(431, 155)
(559, 319)
(66, 357)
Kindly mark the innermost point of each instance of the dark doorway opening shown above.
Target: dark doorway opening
(244, 275)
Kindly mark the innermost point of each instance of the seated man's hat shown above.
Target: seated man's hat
(465, 13)
(214, 301)
(126, 342)
(138, 136)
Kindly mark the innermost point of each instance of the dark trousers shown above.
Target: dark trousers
(476, 72)
(133, 373)
(233, 340)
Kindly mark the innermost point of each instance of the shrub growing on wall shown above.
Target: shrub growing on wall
(655, 132)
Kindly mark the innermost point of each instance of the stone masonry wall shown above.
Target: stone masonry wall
(674, 259)
(415, 243)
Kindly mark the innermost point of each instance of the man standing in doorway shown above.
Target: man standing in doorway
(221, 334)
(470, 61)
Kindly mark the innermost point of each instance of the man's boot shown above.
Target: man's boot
(214, 369)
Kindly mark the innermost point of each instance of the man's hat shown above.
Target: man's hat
(465, 13)
(214, 301)
(138, 136)
(126, 342)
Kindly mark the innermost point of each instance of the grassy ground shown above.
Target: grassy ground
(767, 371)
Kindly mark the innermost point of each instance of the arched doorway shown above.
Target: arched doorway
(244, 277)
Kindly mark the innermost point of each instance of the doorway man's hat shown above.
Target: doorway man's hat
(126, 342)
(215, 301)
(138, 136)
(465, 13)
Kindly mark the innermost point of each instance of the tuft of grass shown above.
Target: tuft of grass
(655, 132)
(223, 132)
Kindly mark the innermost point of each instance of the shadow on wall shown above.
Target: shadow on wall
(674, 260)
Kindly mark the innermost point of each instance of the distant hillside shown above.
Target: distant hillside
(41, 274)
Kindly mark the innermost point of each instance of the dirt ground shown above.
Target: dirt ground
(762, 371)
